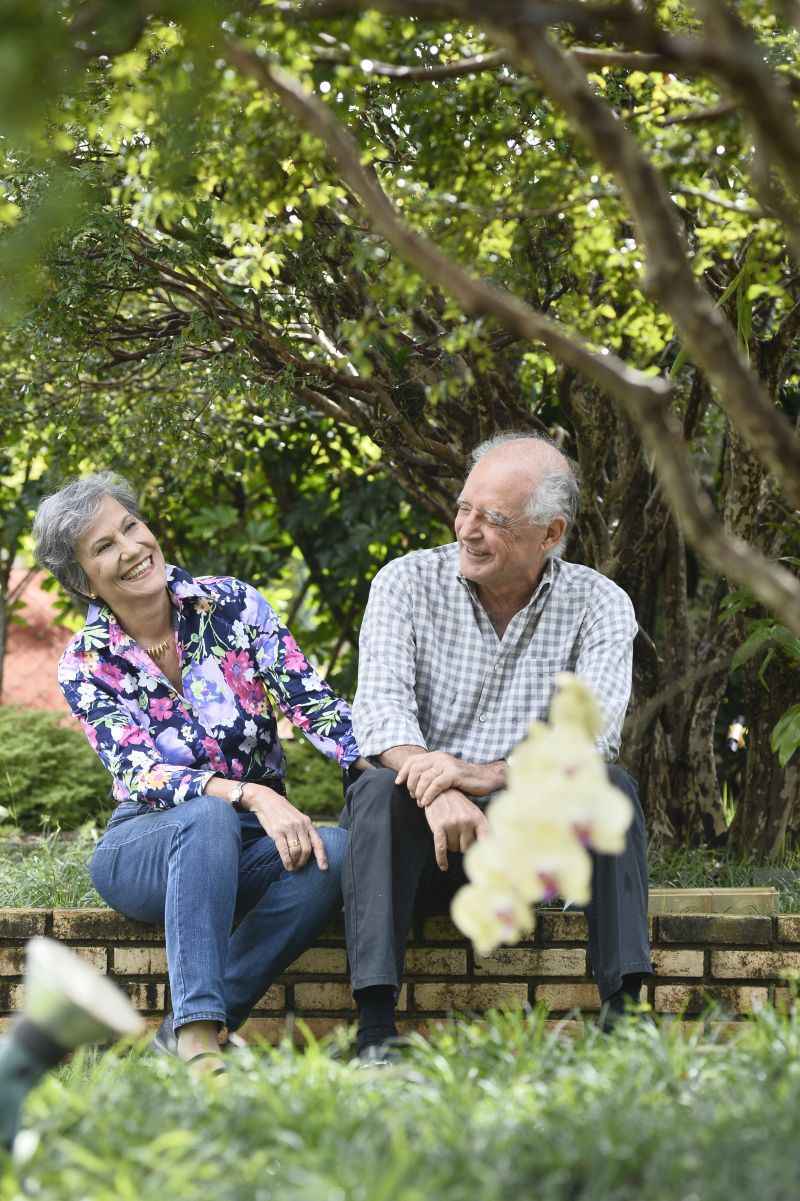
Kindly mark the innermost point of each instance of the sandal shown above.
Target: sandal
(218, 1071)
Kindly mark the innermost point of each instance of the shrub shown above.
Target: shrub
(313, 783)
(495, 1110)
(49, 775)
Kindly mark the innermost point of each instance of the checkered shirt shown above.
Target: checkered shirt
(433, 672)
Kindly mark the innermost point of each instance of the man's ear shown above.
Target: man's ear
(555, 532)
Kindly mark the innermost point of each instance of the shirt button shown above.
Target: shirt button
(482, 717)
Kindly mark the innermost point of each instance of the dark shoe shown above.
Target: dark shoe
(165, 1041)
(387, 1054)
(622, 1007)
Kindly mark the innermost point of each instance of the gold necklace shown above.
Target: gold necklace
(160, 648)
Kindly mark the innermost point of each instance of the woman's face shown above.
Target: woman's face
(121, 557)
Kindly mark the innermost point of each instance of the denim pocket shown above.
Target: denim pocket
(126, 810)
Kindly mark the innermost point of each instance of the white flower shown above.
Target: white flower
(86, 695)
(146, 681)
(559, 801)
(490, 918)
(240, 638)
(140, 759)
(250, 728)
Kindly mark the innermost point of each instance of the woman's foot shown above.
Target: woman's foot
(198, 1046)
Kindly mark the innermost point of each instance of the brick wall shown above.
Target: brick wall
(740, 961)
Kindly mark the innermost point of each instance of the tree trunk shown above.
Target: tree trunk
(769, 806)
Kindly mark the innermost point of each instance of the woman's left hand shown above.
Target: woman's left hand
(292, 832)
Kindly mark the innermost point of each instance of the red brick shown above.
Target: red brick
(561, 926)
(12, 961)
(10, 995)
(436, 961)
(140, 961)
(102, 925)
(273, 998)
(22, 923)
(753, 965)
(146, 995)
(785, 1000)
(523, 961)
(678, 963)
(323, 961)
(684, 998)
(715, 928)
(443, 994)
(322, 995)
(789, 927)
(441, 929)
(568, 996)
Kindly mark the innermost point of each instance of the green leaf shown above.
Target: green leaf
(785, 738)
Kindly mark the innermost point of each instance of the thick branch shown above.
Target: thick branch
(408, 74)
(704, 330)
(475, 296)
(644, 398)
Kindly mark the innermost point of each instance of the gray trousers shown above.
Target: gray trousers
(390, 873)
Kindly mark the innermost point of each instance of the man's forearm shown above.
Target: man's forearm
(428, 773)
(396, 756)
(483, 778)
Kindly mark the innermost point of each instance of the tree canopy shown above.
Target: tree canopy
(286, 264)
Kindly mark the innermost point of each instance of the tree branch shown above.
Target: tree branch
(475, 296)
(645, 399)
(703, 329)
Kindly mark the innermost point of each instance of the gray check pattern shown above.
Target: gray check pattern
(433, 673)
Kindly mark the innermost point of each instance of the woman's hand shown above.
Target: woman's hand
(292, 832)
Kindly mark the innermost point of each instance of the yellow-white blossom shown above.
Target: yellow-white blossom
(559, 801)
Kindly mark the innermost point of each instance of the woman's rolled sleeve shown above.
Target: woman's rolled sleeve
(126, 750)
(301, 694)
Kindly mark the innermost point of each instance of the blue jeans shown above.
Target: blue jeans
(234, 917)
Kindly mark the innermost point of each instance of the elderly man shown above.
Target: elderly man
(459, 648)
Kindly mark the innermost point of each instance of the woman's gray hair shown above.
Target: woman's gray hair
(556, 495)
(64, 517)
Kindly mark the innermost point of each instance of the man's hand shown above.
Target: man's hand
(455, 823)
(428, 775)
(292, 832)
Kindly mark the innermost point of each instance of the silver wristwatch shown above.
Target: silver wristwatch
(236, 797)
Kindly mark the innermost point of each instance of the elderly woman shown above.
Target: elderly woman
(171, 678)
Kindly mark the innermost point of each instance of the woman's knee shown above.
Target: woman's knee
(211, 814)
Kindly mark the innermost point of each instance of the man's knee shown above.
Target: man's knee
(376, 799)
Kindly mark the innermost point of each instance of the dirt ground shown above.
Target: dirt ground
(33, 651)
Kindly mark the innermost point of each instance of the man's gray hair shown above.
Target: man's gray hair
(556, 495)
(64, 517)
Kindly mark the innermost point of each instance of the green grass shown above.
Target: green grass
(492, 1111)
(47, 872)
(51, 872)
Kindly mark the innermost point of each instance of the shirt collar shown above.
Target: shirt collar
(546, 582)
(181, 587)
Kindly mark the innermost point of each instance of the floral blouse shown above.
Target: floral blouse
(162, 746)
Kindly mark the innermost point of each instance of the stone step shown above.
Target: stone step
(713, 900)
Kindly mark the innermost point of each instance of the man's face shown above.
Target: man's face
(121, 557)
(499, 548)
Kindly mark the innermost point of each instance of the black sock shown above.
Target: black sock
(632, 985)
(628, 994)
(375, 1015)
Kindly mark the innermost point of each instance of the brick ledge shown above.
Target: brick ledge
(739, 961)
